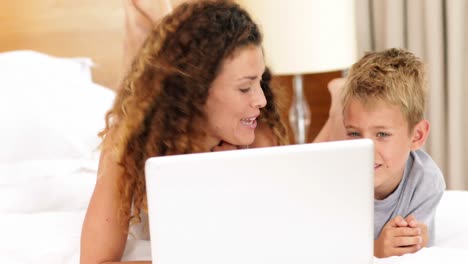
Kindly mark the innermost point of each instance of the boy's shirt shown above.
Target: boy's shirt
(418, 193)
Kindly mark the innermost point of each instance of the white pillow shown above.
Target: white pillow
(49, 106)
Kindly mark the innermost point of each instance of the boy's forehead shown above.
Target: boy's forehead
(388, 112)
(369, 104)
(374, 104)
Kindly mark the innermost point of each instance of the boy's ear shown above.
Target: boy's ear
(419, 135)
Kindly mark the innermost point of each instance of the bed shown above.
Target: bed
(57, 84)
(49, 159)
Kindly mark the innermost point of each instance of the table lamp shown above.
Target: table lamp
(305, 36)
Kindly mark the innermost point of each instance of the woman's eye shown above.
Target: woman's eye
(244, 90)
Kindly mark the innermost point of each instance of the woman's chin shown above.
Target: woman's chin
(244, 141)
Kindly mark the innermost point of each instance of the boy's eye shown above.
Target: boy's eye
(353, 134)
(382, 134)
(244, 90)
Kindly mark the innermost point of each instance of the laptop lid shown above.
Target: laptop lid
(310, 203)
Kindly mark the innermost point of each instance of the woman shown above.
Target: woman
(198, 84)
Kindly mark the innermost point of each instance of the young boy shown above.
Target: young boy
(384, 100)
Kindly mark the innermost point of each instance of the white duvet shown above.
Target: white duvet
(42, 209)
(44, 202)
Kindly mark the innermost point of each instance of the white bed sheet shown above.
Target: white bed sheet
(44, 204)
(47, 228)
(42, 210)
(49, 237)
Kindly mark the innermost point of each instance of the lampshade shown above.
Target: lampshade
(305, 36)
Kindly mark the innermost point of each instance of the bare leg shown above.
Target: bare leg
(333, 129)
(153, 10)
(140, 16)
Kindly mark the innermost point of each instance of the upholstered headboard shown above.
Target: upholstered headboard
(67, 28)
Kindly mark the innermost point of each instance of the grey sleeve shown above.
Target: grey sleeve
(425, 212)
(426, 187)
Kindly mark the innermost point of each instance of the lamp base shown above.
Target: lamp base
(299, 113)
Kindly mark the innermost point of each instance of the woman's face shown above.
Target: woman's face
(235, 98)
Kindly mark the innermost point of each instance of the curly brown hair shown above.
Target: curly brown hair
(164, 93)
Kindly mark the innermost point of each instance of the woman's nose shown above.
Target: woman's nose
(258, 98)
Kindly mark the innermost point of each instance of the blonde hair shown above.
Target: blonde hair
(395, 76)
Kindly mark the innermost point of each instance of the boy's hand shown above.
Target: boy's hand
(413, 222)
(398, 237)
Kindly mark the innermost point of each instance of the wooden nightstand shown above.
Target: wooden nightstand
(316, 94)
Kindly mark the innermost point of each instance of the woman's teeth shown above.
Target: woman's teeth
(248, 121)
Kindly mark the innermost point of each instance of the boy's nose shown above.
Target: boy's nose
(376, 151)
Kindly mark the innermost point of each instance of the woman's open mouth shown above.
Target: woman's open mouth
(249, 122)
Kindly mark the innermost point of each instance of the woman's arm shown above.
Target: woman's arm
(103, 237)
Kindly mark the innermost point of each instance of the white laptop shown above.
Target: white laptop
(310, 203)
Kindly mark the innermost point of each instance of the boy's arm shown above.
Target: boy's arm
(401, 236)
(424, 213)
(398, 238)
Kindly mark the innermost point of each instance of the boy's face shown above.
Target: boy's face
(387, 127)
